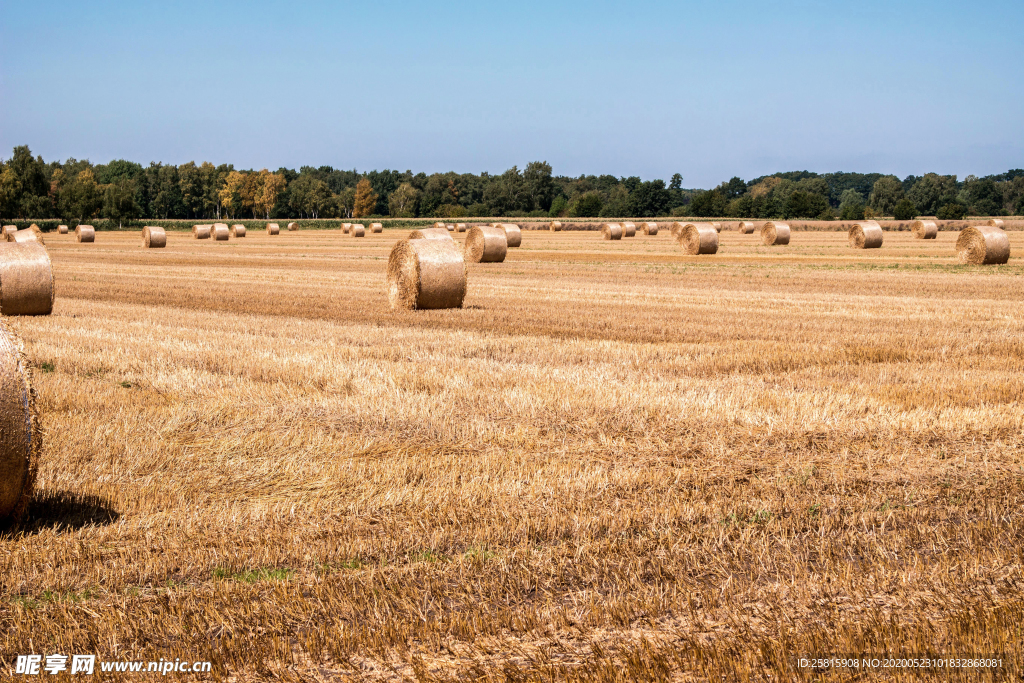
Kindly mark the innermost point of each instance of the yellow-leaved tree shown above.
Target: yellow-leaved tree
(273, 185)
(231, 194)
(366, 199)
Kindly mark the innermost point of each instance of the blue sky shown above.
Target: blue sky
(708, 90)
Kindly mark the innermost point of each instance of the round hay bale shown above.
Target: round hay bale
(358, 230)
(629, 229)
(62, 229)
(746, 227)
(716, 226)
(220, 232)
(982, 245)
(85, 233)
(20, 433)
(238, 230)
(426, 274)
(460, 227)
(153, 237)
(773, 233)
(649, 228)
(513, 235)
(440, 224)
(555, 226)
(486, 244)
(450, 227)
(10, 230)
(925, 230)
(611, 231)
(698, 238)
(866, 235)
(376, 227)
(28, 235)
(996, 223)
(430, 234)
(675, 228)
(292, 227)
(273, 229)
(26, 279)
(203, 232)
(345, 227)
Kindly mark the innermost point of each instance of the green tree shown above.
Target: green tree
(558, 206)
(404, 201)
(885, 193)
(851, 205)
(733, 189)
(649, 198)
(10, 192)
(905, 210)
(537, 185)
(801, 204)
(708, 204)
(81, 197)
(928, 192)
(953, 211)
(119, 201)
(506, 193)
(587, 204)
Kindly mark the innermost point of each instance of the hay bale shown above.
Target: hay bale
(983, 245)
(292, 227)
(426, 274)
(460, 227)
(20, 433)
(925, 230)
(486, 244)
(440, 224)
(649, 228)
(238, 230)
(450, 227)
(629, 230)
(220, 232)
(30, 234)
(866, 235)
(611, 231)
(376, 227)
(746, 227)
(62, 229)
(358, 230)
(203, 232)
(26, 279)
(345, 227)
(555, 226)
(153, 237)
(698, 238)
(10, 230)
(773, 233)
(675, 228)
(513, 235)
(996, 223)
(430, 234)
(85, 233)
(716, 226)
(273, 229)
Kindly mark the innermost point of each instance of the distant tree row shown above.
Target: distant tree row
(126, 191)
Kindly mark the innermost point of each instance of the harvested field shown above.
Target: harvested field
(697, 472)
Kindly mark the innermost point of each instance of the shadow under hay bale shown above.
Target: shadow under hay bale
(64, 511)
(983, 245)
(154, 237)
(866, 235)
(773, 233)
(20, 433)
(426, 274)
(486, 244)
(698, 238)
(26, 279)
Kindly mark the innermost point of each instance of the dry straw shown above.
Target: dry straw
(629, 229)
(866, 235)
(426, 274)
(716, 226)
(773, 233)
(996, 223)
(273, 229)
(983, 245)
(292, 227)
(238, 230)
(202, 232)
(358, 230)
(153, 237)
(31, 234)
(649, 228)
(925, 230)
(440, 224)
(26, 279)
(746, 227)
(62, 229)
(345, 228)
(698, 238)
(85, 233)
(19, 424)
(675, 228)
(10, 230)
(221, 232)
(450, 227)
(430, 234)
(460, 227)
(376, 227)
(555, 226)
(486, 244)
(513, 235)
(611, 231)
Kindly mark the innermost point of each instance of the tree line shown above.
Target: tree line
(125, 191)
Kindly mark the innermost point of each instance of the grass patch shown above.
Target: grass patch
(254, 575)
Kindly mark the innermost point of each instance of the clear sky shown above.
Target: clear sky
(706, 89)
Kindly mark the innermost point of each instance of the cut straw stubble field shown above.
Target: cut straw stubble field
(557, 480)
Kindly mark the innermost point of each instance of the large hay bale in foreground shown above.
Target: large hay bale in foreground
(996, 223)
(20, 433)
(513, 235)
(866, 235)
(292, 227)
(62, 229)
(426, 274)
(26, 279)
(628, 229)
(486, 244)
(746, 227)
(924, 230)
(358, 230)
(611, 231)
(649, 228)
(430, 234)
(153, 237)
(983, 245)
(376, 227)
(698, 238)
(238, 230)
(220, 232)
(773, 233)
(555, 226)
(203, 232)
(85, 233)
(273, 229)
